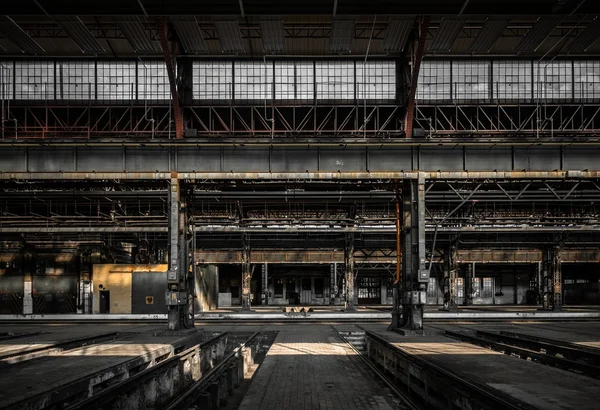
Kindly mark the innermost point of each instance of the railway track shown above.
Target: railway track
(545, 351)
(30, 353)
(405, 402)
(428, 385)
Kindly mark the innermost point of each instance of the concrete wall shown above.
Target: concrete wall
(117, 279)
(207, 287)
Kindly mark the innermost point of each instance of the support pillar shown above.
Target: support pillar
(265, 284)
(451, 278)
(552, 282)
(469, 279)
(415, 275)
(246, 273)
(557, 278)
(332, 282)
(180, 281)
(28, 267)
(349, 264)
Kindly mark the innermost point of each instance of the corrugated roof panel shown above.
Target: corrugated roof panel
(342, 34)
(273, 36)
(536, 36)
(397, 33)
(491, 31)
(445, 35)
(136, 34)
(230, 36)
(80, 34)
(189, 34)
(587, 37)
(18, 36)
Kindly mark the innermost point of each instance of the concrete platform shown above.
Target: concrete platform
(79, 370)
(334, 313)
(542, 386)
(308, 367)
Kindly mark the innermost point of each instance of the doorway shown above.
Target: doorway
(105, 301)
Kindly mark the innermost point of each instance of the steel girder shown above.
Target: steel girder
(300, 161)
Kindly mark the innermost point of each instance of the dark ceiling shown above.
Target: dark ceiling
(282, 7)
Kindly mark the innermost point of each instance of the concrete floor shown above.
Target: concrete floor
(308, 368)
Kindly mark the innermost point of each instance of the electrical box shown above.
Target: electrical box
(172, 276)
(175, 298)
(423, 275)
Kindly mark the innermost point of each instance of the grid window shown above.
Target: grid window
(335, 80)
(76, 80)
(587, 79)
(476, 287)
(460, 287)
(253, 81)
(434, 81)
(486, 289)
(153, 81)
(6, 80)
(285, 81)
(512, 80)
(470, 80)
(376, 80)
(212, 80)
(34, 80)
(553, 80)
(116, 80)
(305, 81)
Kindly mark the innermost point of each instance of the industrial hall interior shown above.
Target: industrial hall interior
(300, 204)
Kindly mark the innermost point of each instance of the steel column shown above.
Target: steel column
(265, 284)
(451, 276)
(396, 311)
(469, 279)
(246, 273)
(349, 265)
(419, 52)
(179, 296)
(415, 275)
(169, 61)
(557, 278)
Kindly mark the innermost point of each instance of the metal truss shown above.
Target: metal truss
(88, 121)
(157, 121)
(296, 120)
(510, 203)
(548, 120)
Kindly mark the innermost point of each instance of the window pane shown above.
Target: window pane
(153, 81)
(212, 80)
(116, 80)
(512, 80)
(434, 81)
(253, 80)
(553, 80)
(6, 80)
(470, 80)
(587, 79)
(76, 80)
(335, 80)
(34, 80)
(376, 80)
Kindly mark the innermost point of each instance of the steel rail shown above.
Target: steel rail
(183, 400)
(407, 400)
(477, 392)
(105, 397)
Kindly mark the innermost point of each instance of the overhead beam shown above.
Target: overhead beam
(170, 64)
(300, 161)
(416, 68)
